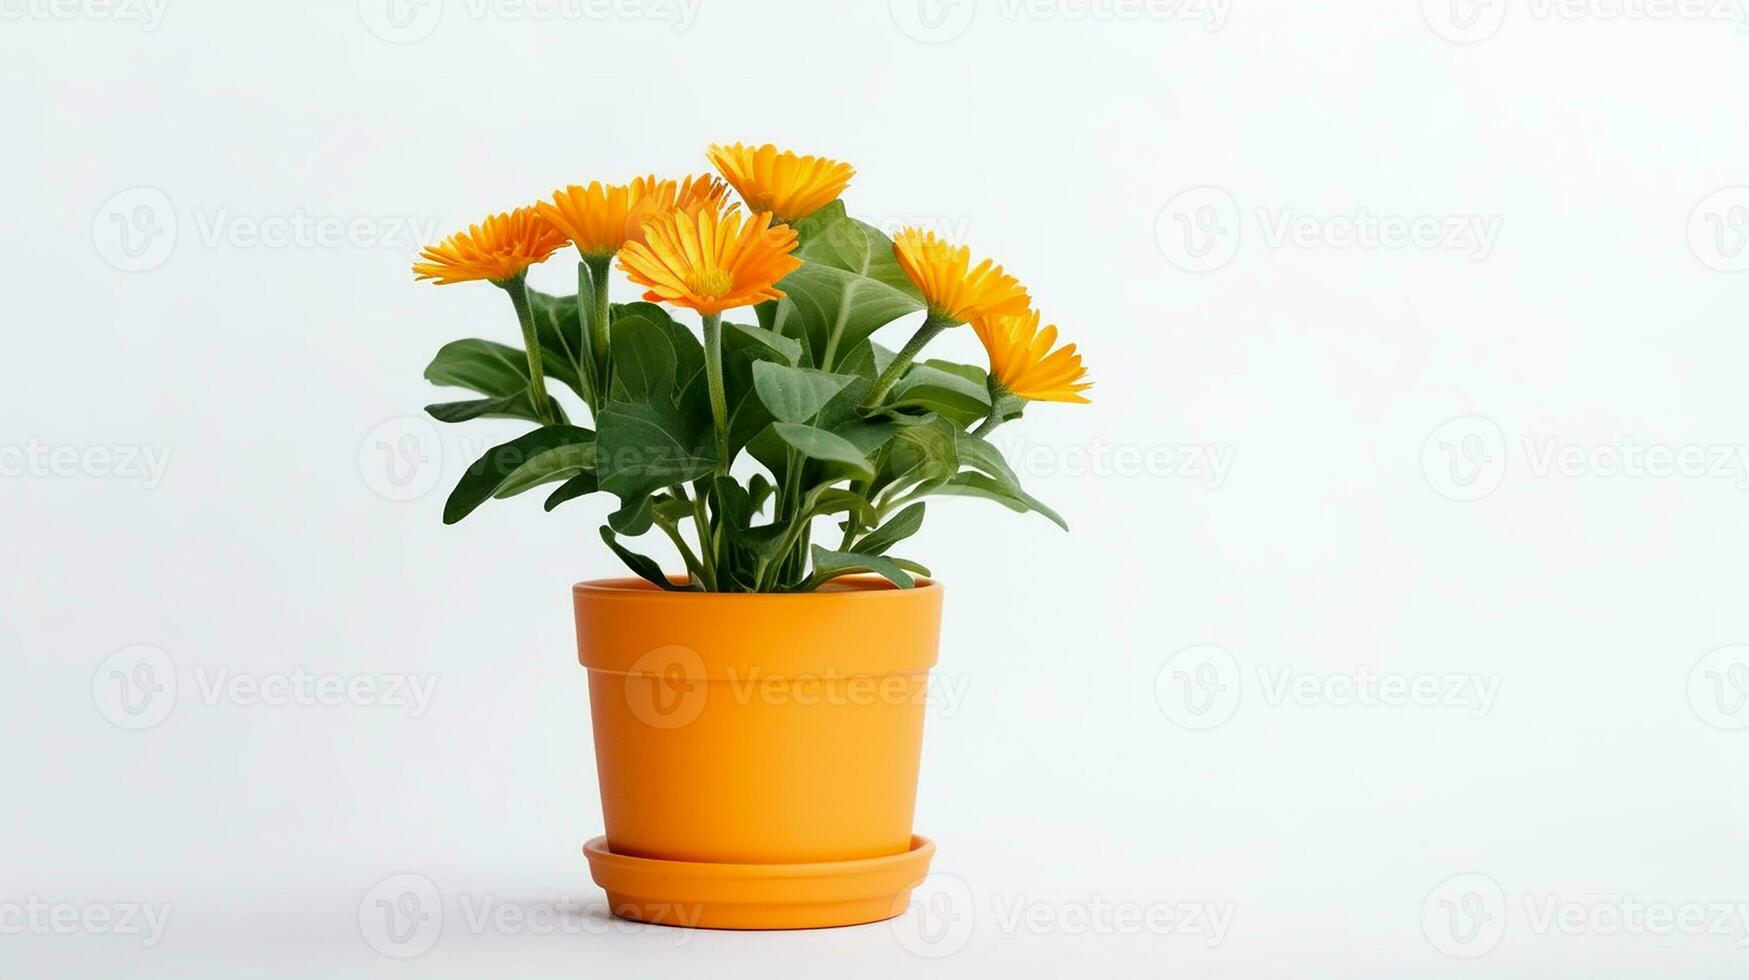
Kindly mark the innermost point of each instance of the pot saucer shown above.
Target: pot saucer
(758, 896)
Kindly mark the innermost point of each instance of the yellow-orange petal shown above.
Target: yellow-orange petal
(600, 218)
(788, 185)
(952, 288)
(1022, 361)
(499, 248)
(710, 260)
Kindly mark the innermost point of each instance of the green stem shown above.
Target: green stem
(709, 538)
(599, 336)
(791, 534)
(706, 563)
(713, 369)
(537, 377)
(685, 550)
(903, 359)
(988, 425)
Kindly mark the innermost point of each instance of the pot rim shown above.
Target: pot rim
(860, 588)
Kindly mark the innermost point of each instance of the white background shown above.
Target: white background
(159, 297)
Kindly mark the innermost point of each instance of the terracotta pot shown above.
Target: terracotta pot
(758, 754)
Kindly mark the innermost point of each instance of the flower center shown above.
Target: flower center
(709, 283)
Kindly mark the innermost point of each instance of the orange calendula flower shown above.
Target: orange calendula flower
(600, 218)
(497, 249)
(710, 260)
(953, 290)
(1021, 359)
(697, 193)
(789, 186)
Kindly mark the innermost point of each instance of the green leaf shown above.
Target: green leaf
(773, 346)
(987, 459)
(743, 348)
(794, 394)
(822, 445)
(834, 500)
(498, 371)
(577, 486)
(918, 453)
(849, 285)
(976, 375)
(903, 525)
(501, 463)
(958, 399)
(913, 567)
(635, 517)
(642, 447)
(829, 565)
(759, 489)
(832, 238)
(652, 355)
(645, 567)
(553, 466)
(972, 484)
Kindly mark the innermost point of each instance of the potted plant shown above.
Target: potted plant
(758, 718)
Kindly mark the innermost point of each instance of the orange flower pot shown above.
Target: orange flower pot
(758, 754)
